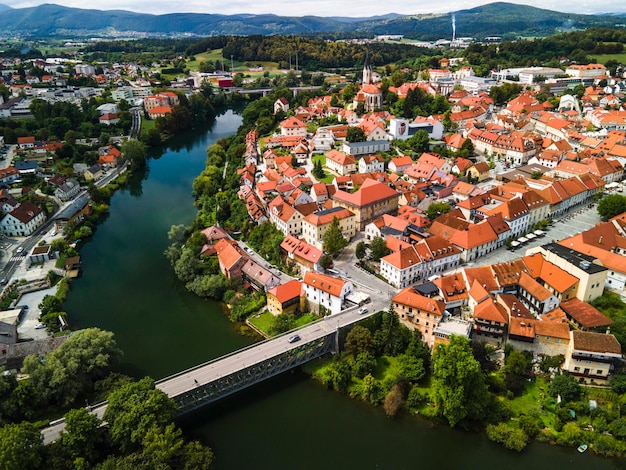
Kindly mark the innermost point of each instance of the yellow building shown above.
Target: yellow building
(284, 298)
(369, 202)
(315, 225)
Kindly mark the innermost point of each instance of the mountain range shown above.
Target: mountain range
(494, 19)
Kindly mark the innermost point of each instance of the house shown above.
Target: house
(94, 172)
(281, 104)
(109, 119)
(325, 293)
(402, 129)
(370, 201)
(305, 255)
(365, 148)
(371, 163)
(231, 258)
(591, 357)
(490, 319)
(398, 165)
(9, 319)
(40, 254)
(67, 190)
(479, 171)
(259, 278)
(340, 163)
(584, 316)
(292, 126)
(284, 298)
(315, 225)
(287, 219)
(23, 220)
(534, 296)
(419, 312)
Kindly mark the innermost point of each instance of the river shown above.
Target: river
(127, 287)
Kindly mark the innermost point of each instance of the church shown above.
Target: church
(369, 95)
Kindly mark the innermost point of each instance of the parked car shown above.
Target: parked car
(40, 326)
(362, 310)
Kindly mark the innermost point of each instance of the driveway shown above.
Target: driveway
(26, 328)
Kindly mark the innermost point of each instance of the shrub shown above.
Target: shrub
(512, 439)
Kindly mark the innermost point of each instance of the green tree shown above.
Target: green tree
(282, 323)
(419, 141)
(611, 205)
(459, 385)
(411, 368)
(326, 261)
(467, 149)
(212, 286)
(187, 266)
(361, 250)
(391, 337)
(334, 240)
(21, 446)
(359, 340)
(512, 439)
(378, 248)
(50, 303)
(135, 152)
(160, 446)
(82, 436)
(566, 386)
(436, 209)
(134, 410)
(355, 134)
(618, 383)
(364, 364)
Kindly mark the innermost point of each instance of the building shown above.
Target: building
(370, 201)
(371, 164)
(591, 357)
(23, 220)
(324, 292)
(315, 225)
(284, 298)
(419, 312)
(340, 163)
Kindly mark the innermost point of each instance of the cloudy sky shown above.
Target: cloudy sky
(318, 7)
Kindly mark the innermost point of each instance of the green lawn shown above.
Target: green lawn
(603, 58)
(265, 320)
(328, 179)
(146, 125)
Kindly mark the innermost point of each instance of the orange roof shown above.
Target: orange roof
(286, 292)
(330, 285)
(596, 342)
(535, 289)
(370, 192)
(584, 314)
(160, 110)
(411, 298)
(489, 310)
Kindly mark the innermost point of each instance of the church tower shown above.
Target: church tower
(367, 70)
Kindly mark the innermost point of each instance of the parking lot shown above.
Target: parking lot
(30, 318)
(577, 221)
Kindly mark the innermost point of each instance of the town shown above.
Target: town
(487, 208)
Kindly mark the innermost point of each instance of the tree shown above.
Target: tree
(618, 383)
(334, 241)
(364, 364)
(436, 209)
(459, 385)
(378, 248)
(393, 401)
(134, 410)
(355, 134)
(391, 337)
(50, 303)
(212, 286)
(566, 386)
(467, 149)
(411, 368)
(82, 436)
(21, 446)
(512, 439)
(611, 205)
(419, 141)
(361, 250)
(282, 323)
(326, 261)
(71, 369)
(135, 152)
(359, 340)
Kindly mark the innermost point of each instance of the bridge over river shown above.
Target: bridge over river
(218, 378)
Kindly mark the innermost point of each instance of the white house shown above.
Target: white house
(23, 220)
(325, 291)
(371, 163)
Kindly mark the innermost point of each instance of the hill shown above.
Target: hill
(494, 19)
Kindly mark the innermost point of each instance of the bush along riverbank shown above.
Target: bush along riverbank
(461, 385)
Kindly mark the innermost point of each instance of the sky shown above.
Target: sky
(318, 7)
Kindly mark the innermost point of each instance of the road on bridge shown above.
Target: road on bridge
(186, 381)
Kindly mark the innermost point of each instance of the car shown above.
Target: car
(4, 281)
(20, 249)
(362, 310)
(40, 326)
(294, 338)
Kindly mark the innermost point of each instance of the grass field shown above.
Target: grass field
(265, 321)
(146, 125)
(244, 67)
(328, 179)
(604, 58)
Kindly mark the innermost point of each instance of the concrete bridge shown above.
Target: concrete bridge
(265, 91)
(206, 383)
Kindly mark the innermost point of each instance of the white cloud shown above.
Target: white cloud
(318, 8)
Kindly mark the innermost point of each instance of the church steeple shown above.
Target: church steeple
(367, 69)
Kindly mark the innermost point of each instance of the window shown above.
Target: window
(599, 371)
(576, 369)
